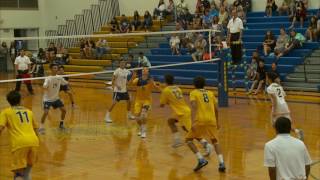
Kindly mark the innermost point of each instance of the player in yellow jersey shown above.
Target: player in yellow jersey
(204, 124)
(24, 140)
(143, 99)
(172, 95)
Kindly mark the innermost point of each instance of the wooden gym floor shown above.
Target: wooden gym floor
(93, 150)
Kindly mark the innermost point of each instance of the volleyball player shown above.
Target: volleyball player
(66, 88)
(279, 105)
(172, 95)
(143, 100)
(120, 91)
(51, 97)
(24, 141)
(205, 122)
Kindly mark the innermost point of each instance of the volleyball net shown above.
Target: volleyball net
(183, 54)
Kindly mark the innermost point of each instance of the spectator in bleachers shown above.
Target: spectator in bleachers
(299, 14)
(252, 67)
(13, 52)
(136, 22)
(147, 21)
(260, 78)
(271, 6)
(102, 47)
(223, 4)
(130, 62)
(143, 61)
(235, 27)
(286, 7)
(223, 17)
(171, 8)
(4, 56)
(62, 56)
(273, 69)
(114, 25)
(82, 48)
(199, 7)
(269, 43)
(124, 24)
(188, 42)
(242, 15)
(281, 42)
(200, 47)
(90, 50)
(311, 33)
(161, 10)
(175, 44)
(296, 40)
(182, 8)
(51, 52)
(197, 23)
(217, 28)
(206, 20)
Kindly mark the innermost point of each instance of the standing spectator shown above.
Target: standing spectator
(281, 42)
(285, 156)
(200, 46)
(217, 28)
(299, 14)
(223, 17)
(269, 43)
(23, 65)
(124, 24)
(175, 44)
(114, 25)
(51, 52)
(136, 23)
(147, 21)
(311, 33)
(235, 27)
(161, 10)
(102, 48)
(4, 57)
(13, 52)
(271, 6)
(260, 78)
(295, 41)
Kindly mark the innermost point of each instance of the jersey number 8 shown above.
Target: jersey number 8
(205, 97)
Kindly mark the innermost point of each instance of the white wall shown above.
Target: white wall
(128, 6)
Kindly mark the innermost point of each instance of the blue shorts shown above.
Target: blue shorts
(55, 104)
(119, 96)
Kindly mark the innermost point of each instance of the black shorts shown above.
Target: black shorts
(55, 104)
(64, 88)
(119, 96)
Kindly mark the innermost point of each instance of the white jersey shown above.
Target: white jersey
(279, 105)
(52, 85)
(121, 80)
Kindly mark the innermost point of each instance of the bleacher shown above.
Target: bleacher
(253, 37)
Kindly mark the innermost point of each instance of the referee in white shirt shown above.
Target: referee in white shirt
(22, 64)
(286, 157)
(235, 27)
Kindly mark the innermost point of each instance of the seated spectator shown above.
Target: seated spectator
(182, 8)
(188, 42)
(299, 14)
(186, 19)
(136, 22)
(89, 50)
(143, 61)
(175, 44)
(51, 52)
(197, 23)
(206, 20)
(161, 10)
(199, 7)
(130, 62)
(311, 33)
(252, 67)
(223, 4)
(281, 42)
(200, 47)
(246, 5)
(82, 48)
(236, 3)
(271, 6)
(260, 78)
(102, 48)
(147, 21)
(62, 57)
(269, 43)
(273, 69)
(296, 40)
(286, 7)
(217, 28)
(114, 25)
(124, 24)
(171, 8)
(242, 14)
(223, 17)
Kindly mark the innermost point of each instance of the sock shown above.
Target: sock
(204, 143)
(107, 114)
(296, 131)
(61, 122)
(220, 158)
(143, 127)
(18, 176)
(199, 155)
(27, 172)
(176, 136)
(41, 125)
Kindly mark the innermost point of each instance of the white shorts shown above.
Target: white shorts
(274, 117)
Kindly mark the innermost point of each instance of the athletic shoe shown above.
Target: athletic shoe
(108, 119)
(300, 135)
(201, 164)
(139, 133)
(209, 149)
(222, 167)
(143, 134)
(61, 126)
(177, 143)
(132, 117)
(41, 131)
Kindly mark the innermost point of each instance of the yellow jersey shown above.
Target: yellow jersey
(173, 96)
(205, 102)
(21, 125)
(144, 89)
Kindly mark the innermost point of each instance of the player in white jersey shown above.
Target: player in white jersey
(120, 91)
(51, 96)
(279, 105)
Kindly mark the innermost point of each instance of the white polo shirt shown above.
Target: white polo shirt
(121, 80)
(22, 62)
(235, 26)
(289, 155)
(52, 85)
